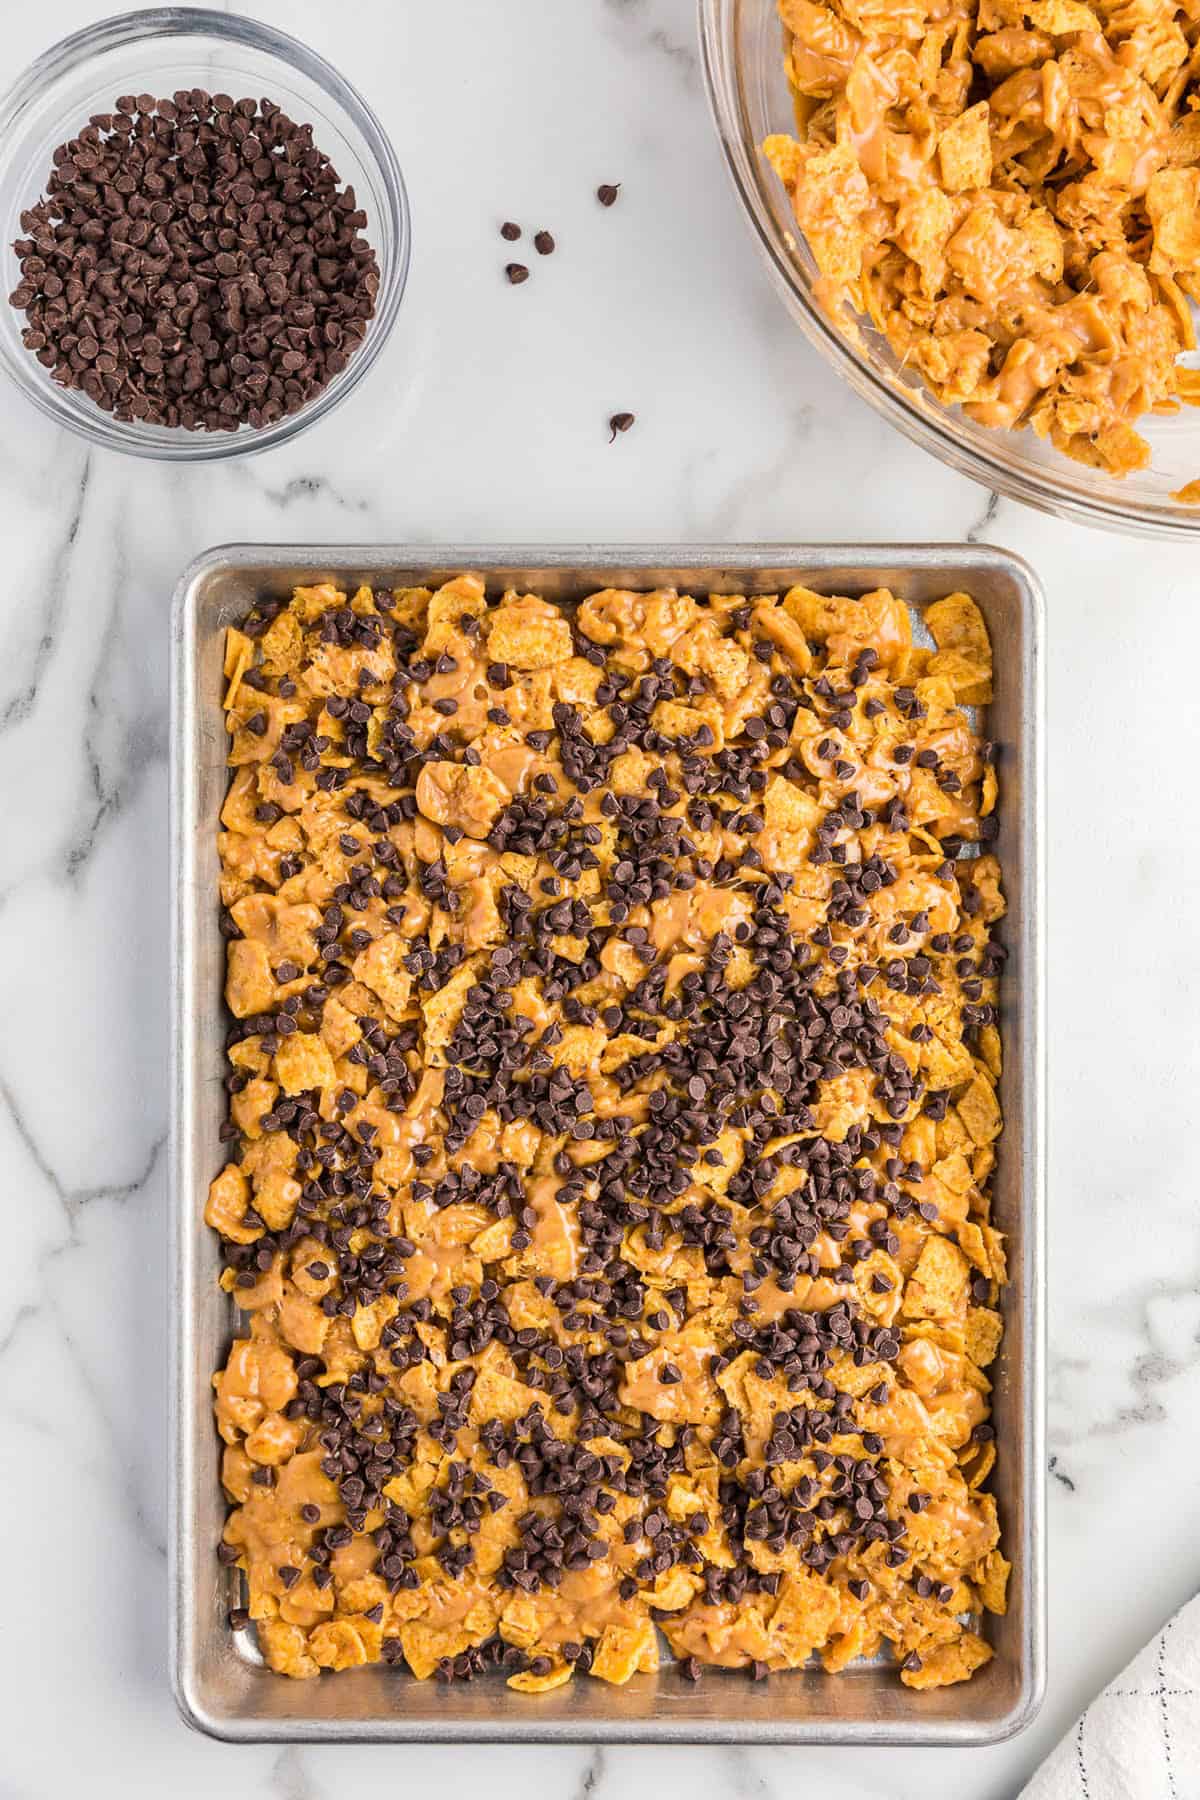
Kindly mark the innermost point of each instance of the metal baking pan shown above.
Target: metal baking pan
(219, 1688)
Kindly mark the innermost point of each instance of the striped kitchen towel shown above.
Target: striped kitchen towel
(1140, 1738)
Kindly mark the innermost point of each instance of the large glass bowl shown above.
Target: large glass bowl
(160, 50)
(742, 43)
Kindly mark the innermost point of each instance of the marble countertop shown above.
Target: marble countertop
(485, 419)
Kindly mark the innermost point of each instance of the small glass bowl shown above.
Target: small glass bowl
(161, 50)
(743, 50)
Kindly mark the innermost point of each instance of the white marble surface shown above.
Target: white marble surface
(485, 420)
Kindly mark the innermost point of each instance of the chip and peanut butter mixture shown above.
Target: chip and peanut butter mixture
(1009, 191)
(612, 1121)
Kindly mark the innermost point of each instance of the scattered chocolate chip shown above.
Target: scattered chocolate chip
(510, 231)
(607, 193)
(543, 243)
(517, 273)
(620, 422)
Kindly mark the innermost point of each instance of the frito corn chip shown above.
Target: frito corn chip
(992, 1582)
(526, 1682)
(965, 150)
(979, 1111)
(345, 1643)
(937, 1287)
(303, 1061)
(803, 1620)
(947, 1663)
(964, 654)
(239, 656)
(529, 634)
(625, 1650)
(984, 1331)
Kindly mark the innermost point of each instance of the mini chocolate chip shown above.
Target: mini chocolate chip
(178, 274)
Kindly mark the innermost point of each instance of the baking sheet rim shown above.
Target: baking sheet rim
(874, 563)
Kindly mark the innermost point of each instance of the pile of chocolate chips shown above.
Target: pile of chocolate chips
(195, 262)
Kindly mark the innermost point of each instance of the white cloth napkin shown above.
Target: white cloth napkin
(1140, 1738)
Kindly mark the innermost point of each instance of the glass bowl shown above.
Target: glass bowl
(742, 46)
(162, 49)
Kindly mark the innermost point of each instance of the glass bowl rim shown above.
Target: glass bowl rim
(71, 53)
(922, 419)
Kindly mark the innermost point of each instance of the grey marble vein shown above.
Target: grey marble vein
(977, 533)
(1054, 1465)
(24, 1315)
(302, 488)
(764, 480)
(20, 704)
(593, 1775)
(73, 1199)
(290, 1777)
(1147, 1373)
(666, 42)
(19, 1407)
(121, 741)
